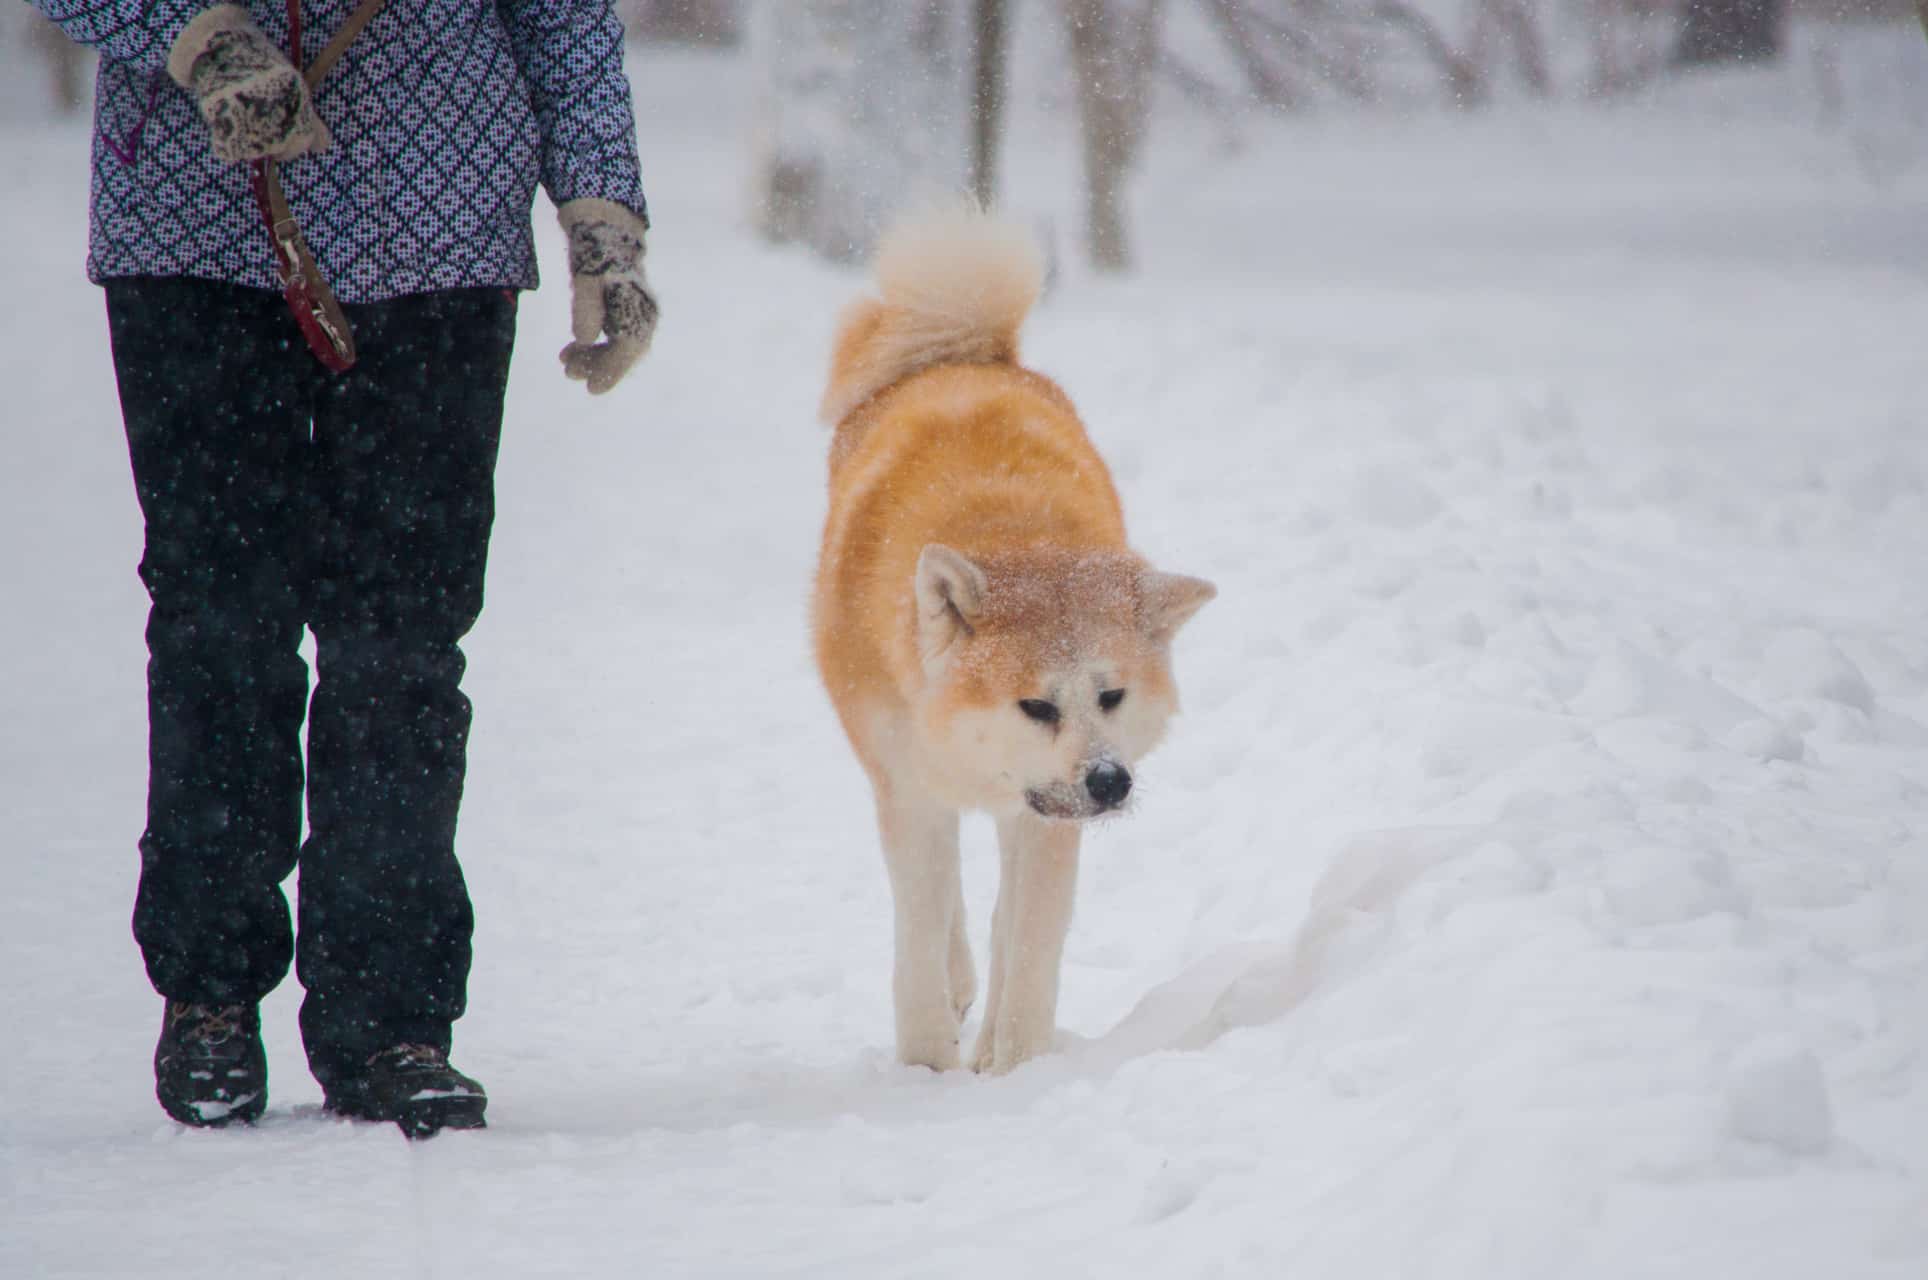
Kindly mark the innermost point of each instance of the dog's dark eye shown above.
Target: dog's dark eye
(1110, 698)
(1040, 710)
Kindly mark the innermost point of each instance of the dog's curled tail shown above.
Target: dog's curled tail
(954, 285)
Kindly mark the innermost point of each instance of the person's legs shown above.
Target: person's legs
(403, 484)
(214, 387)
(212, 383)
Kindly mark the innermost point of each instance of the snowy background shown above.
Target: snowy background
(1537, 885)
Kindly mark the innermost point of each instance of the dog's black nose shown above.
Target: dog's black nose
(1108, 784)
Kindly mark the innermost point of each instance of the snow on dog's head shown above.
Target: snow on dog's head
(1048, 675)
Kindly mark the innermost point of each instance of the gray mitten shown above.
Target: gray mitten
(253, 99)
(609, 292)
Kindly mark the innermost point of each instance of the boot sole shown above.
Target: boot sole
(212, 1114)
(422, 1117)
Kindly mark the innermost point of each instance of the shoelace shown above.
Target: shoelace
(212, 1023)
(411, 1056)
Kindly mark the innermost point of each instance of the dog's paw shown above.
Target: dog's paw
(998, 1053)
(985, 1053)
(939, 1053)
(995, 1057)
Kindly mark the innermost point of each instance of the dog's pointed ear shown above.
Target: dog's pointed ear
(1167, 602)
(950, 594)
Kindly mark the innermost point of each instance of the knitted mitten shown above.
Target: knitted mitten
(611, 294)
(253, 99)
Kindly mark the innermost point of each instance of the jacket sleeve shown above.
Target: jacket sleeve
(136, 32)
(570, 53)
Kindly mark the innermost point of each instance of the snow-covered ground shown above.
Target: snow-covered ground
(1537, 885)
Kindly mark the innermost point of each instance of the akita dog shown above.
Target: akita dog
(988, 638)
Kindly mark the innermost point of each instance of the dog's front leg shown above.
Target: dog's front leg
(920, 850)
(1007, 892)
(1035, 892)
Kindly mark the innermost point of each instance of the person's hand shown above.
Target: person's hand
(252, 97)
(610, 295)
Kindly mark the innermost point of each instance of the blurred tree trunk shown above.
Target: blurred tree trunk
(1723, 31)
(1114, 50)
(66, 61)
(990, 47)
(863, 108)
(1513, 23)
(1465, 84)
(1238, 26)
(717, 22)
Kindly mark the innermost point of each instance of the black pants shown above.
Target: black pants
(276, 495)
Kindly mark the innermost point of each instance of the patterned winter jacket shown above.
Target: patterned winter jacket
(444, 114)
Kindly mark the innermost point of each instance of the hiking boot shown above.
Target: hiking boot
(414, 1086)
(209, 1068)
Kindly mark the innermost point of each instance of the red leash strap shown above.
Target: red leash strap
(311, 301)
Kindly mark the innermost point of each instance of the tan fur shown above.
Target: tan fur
(974, 555)
(953, 287)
